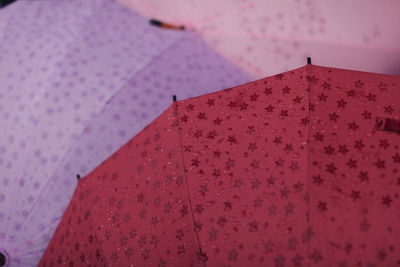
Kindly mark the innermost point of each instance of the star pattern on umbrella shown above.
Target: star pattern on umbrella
(242, 184)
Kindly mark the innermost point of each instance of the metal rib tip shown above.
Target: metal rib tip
(164, 25)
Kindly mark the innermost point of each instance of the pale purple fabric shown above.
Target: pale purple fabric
(78, 79)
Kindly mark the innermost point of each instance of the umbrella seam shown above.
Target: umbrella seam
(186, 180)
(308, 70)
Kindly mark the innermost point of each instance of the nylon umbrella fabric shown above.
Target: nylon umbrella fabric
(269, 37)
(78, 79)
(298, 169)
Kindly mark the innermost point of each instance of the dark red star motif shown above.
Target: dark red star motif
(316, 256)
(210, 102)
(358, 84)
(203, 190)
(387, 200)
(351, 93)
(232, 104)
(284, 113)
(384, 143)
(253, 226)
(232, 139)
(355, 195)
(363, 176)
(329, 150)
(190, 107)
(341, 103)
(319, 137)
(297, 99)
(244, 106)
(380, 164)
(277, 140)
(396, 158)
(312, 78)
(286, 90)
(331, 168)
(201, 116)
(217, 121)
(184, 118)
(195, 162)
(371, 97)
(252, 146)
(322, 206)
(382, 86)
(250, 129)
(322, 97)
(222, 221)
(198, 133)
(230, 163)
(254, 97)
(199, 209)
(367, 115)
(216, 173)
(389, 110)
(269, 108)
(305, 121)
(216, 154)
(326, 86)
(211, 135)
(288, 148)
(352, 163)
(317, 180)
(353, 126)
(188, 148)
(268, 91)
(333, 117)
(227, 206)
(381, 255)
(359, 144)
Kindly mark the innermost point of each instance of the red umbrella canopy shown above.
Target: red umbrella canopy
(298, 169)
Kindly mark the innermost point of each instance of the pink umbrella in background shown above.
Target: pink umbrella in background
(77, 80)
(269, 37)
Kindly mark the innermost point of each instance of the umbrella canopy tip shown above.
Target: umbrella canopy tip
(78, 176)
(4, 258)
(4, 3)
(308, 60)
(164, 25)
(174, 98)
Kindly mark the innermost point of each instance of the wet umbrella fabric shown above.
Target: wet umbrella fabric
(359, 35)
(299, 169)
(78, 79)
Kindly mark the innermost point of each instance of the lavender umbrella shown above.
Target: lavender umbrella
(77, 80)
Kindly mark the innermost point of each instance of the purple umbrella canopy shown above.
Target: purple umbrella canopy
(78, 79)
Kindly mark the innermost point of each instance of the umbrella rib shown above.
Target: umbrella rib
(68, 154)
(308, 70)
(184, 173)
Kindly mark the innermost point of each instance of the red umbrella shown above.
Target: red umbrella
(298, 169)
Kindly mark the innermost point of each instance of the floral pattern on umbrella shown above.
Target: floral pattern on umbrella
(289, 170)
